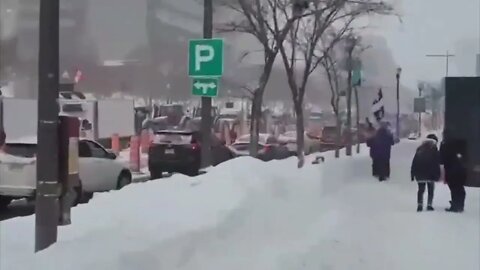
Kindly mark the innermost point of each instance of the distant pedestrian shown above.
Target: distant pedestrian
(453, 153)
(381, 148)
(426, 170)
(370, 136)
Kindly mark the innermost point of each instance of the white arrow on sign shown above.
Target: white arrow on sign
(205, 86)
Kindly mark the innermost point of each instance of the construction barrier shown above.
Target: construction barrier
(135, 154)
(146, 140)
(226, 134)
(115, 144)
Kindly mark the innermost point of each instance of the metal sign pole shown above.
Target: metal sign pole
(206, 125)
(48, 189)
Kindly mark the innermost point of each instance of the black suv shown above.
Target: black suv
(175, 151)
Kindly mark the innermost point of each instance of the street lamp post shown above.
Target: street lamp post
(397, 131)
(351, 43)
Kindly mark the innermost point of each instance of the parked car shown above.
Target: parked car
(173, 112)
(269, 148)
(311, 143)
(179, 151)
(329, 139)
(156, 124)
(98, 170)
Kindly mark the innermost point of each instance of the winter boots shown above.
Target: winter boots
(454, 209)
(420, 208)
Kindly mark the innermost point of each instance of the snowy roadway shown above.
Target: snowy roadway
(246, 214)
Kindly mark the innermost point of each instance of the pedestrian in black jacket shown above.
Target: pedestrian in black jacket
(453, 154)
(426, 170)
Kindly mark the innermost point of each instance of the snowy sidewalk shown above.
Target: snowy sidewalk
(246, 214)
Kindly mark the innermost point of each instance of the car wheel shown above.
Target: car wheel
(156, 174)
(4, 202)
(124, 179)
(195, 172)
(192, 171)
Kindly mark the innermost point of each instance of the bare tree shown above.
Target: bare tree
(256, 17)
(309, 37)
(330, 64)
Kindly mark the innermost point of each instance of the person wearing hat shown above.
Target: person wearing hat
(426, 170)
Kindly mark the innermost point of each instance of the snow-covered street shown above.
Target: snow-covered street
(246, 214)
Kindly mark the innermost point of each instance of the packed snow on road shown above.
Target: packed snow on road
(247, 214)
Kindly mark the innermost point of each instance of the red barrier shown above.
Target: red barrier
(115, 143)
(145, 141)
(135, 154)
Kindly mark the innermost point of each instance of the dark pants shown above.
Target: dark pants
(421, 190)
(381, 168)
(458, 194)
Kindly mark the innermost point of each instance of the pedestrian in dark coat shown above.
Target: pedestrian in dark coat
(426, 170)
(453, 153)
(370, 135)
(381, 147)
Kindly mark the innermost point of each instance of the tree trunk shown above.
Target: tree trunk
(256, 115)
(357, 115)
(257, 102)
(300, 133)
(338, 137)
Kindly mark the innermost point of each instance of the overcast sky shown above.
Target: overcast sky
(429, 27)
(433, 27)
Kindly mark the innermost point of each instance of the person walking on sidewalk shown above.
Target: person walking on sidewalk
(370, 135)
(453, 154)
(426, 170)
(381, 148)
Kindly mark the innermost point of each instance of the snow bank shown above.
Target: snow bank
(135, 218)
(246, 214)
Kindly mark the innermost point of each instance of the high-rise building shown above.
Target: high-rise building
(72, 30)
(72, 37)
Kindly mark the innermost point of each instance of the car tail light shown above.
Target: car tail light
(195, 146)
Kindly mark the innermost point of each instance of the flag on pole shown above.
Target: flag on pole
(378, 108)
(78, 76)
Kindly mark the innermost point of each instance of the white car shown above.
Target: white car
(98, 170)
(311, 144)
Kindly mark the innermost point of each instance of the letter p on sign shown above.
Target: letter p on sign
(203, 54)
(205, 58)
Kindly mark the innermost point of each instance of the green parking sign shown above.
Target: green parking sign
(205, 58)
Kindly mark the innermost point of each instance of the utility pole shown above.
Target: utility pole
(397, 123)
(48, 189)
(447, 58)
(420, 90)
(206, 125)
